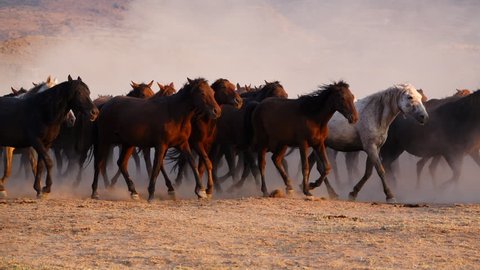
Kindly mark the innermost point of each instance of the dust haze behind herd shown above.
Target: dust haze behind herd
(434, 45)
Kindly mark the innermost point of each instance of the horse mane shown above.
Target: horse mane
(311, 103)
(189, 86)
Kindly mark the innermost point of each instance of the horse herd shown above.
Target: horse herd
(200, 124)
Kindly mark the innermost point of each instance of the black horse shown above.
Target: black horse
(452, 132)
(36, 120)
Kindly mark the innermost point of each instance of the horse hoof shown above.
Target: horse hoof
(290, 192)
(3, 194)
(333, 196)
(202, 194)
(151, 199)
(95, 196)
(309, 198)
(352, 197)
(391, 200)
(135, 197)
(42, 195)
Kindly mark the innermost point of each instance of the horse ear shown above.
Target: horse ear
(189, 80)
(80, 79)
(34, 84)
(70, 78)
(133, 84)
(14, 91)
(458, 90)
(160, 85)
(150, 84)
(171, 85)
(266, 82)
(238, 86)
(49, 79)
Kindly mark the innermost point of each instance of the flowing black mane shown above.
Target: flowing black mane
(313, 102)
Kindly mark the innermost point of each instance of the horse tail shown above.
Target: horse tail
(176, 157)
(248, 125)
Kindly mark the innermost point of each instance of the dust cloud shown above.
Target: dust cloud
(435, 45)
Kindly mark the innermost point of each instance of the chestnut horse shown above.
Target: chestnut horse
(35, 121)
(204, 130)
(159, 122)
(280, 123)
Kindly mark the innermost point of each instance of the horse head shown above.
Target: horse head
(141, 90)
(225, 93)
(410, 102)
(166, 90)
(203, 97)
(274, 89)
(81, 98)
(343, 100)
(462, 93)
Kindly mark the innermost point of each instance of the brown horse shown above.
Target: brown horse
(159, 122)
(35, 121)
(165, 90)
(231, 132)
(204, 130)
(280, 123)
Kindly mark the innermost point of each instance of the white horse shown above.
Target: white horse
(8, 151)
(377, 112)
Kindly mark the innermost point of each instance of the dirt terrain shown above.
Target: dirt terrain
(245, 231)
(253, 233)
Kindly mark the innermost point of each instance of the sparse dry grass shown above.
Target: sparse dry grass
(237, 233)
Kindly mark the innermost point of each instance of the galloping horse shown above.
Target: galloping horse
(204, 130)
(231, 131)
(35, 121)
(279, 123)
(376, 112)
(451, 133)
(159, 122)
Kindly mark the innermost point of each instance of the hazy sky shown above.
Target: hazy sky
(434, 45)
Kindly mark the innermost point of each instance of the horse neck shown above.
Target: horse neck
(181, 106)
(325, 113)
(54, 102)
(384, 106)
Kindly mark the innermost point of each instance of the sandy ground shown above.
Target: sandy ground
(253, 233)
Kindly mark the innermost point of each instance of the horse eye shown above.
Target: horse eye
(410, 97)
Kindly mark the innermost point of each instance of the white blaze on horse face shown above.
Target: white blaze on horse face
(70, 118)
(411, 103)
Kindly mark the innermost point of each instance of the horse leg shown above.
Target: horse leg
(199, 189)
(32, 160)
(8, 168)
(433, 167)
(100, 153)
(58, 159)
(136, 158)
(368, 172)
(351, 160)
(230, 157)
(148, 161)
(420, 164)
(455, 162)
(114, 179)
(305, 169)
(332, 157)
(323, 167)
(47, 161)
(122, 162)
(261, 166)
(157, 165)
(277, 159)
(204, 162)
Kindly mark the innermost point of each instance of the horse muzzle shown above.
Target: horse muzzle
(94, 114)
(215, 113)
(422, 119)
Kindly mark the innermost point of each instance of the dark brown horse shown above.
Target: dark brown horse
(159, 122)
(231, 132)
(165, 90)
(35, 121)
(73, 143)
(280, 123)
(204, 130)
(452, 132)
